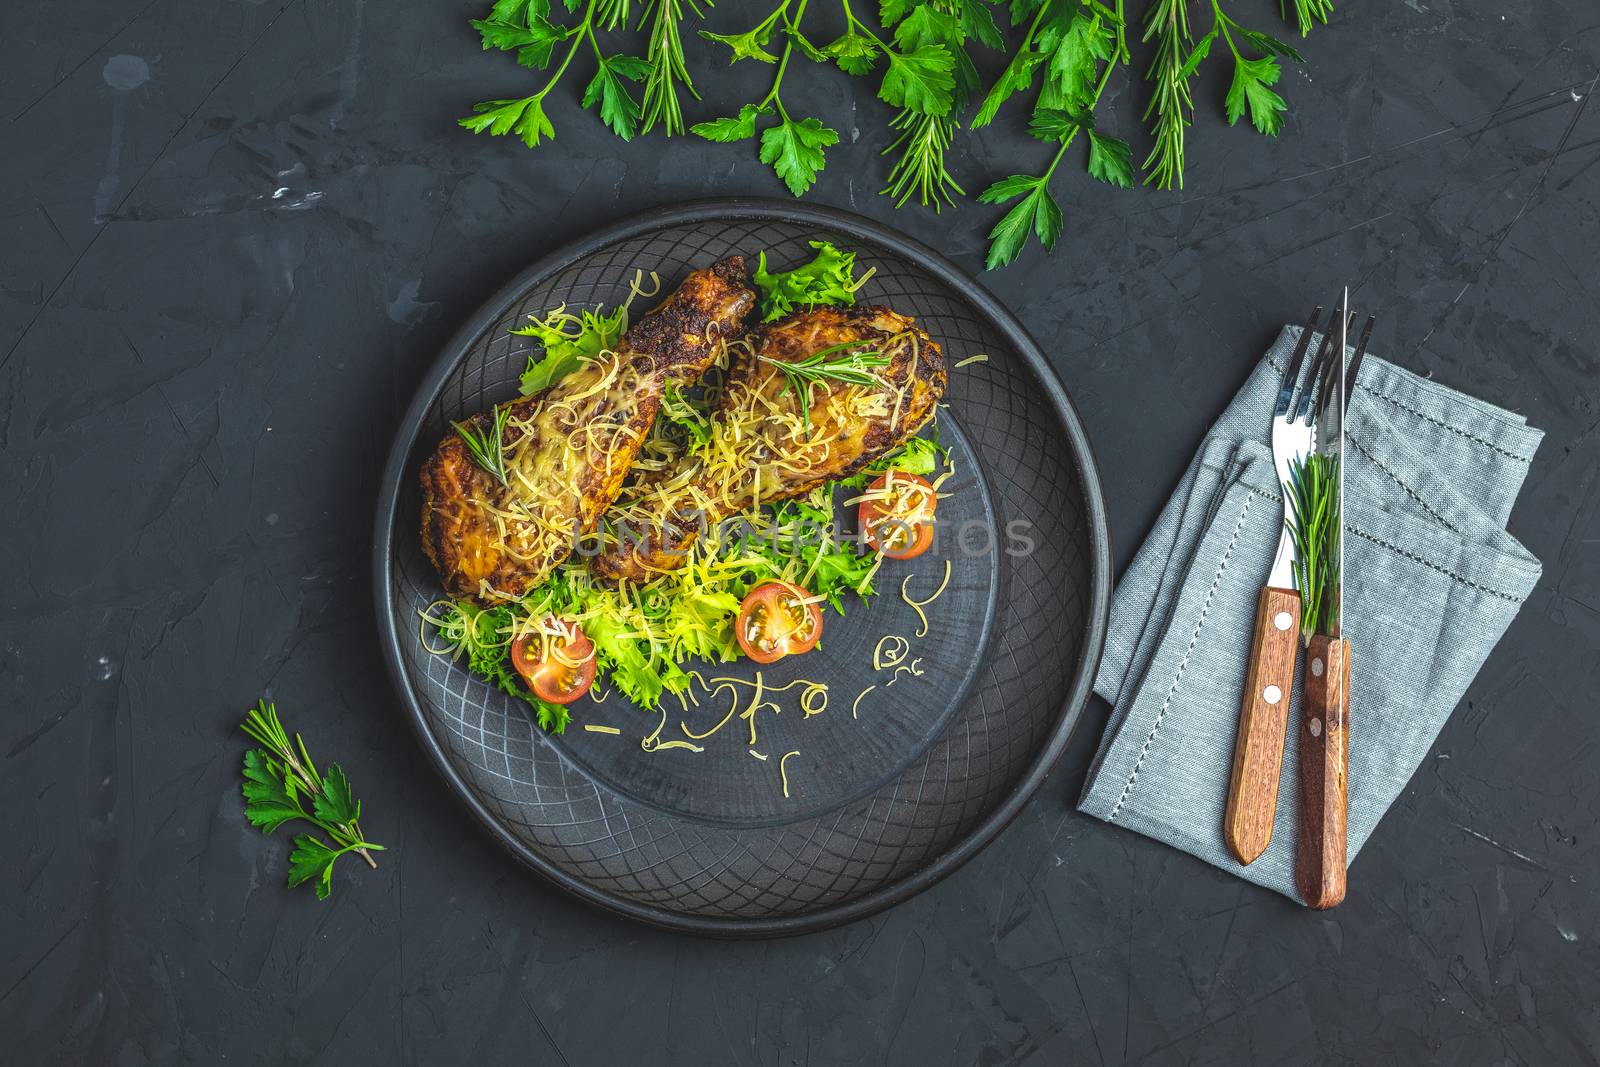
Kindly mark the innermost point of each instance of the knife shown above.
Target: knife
(1321, 853)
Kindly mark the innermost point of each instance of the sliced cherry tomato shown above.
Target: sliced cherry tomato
(775, 621)
(557, 669)
(897, 517)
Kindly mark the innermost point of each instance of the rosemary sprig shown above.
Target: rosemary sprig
(488, 447)
(278, 779)
(1305, 12)
(667, 69)
(852, 368)
(1172, 104)
(920, 170)
(1314, 524)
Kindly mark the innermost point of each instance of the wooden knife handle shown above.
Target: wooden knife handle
(1319, 870)
(1258, 749)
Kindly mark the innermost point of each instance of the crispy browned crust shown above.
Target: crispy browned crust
(674, 342)
(857, 442)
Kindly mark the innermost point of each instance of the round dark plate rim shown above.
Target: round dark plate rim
(395, 470)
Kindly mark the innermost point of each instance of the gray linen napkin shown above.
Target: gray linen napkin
(1432, 581)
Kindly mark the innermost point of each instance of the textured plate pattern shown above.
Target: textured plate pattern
(683, 872)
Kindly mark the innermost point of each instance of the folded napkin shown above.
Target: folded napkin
(1432, 580)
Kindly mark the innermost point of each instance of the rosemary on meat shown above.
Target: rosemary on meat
(852, 368)
(488, 446)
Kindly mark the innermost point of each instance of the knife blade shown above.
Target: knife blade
(1322, 852)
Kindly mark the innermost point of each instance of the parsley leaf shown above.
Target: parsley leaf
(1054, 124)
(750, 45)
(1110, 160)
(734, 128)
(794, 150)
(1037, 211)
(336, 803)
(618, 109)
(525, 118)
(1076, 62)
(1016, 78)
(312, 859)
(920, 80)
(1251, 81)
(854, 53)
(267, 803)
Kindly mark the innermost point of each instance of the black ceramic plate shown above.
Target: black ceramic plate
(882, 803)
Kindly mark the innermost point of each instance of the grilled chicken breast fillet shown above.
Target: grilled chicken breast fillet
(568, 448)
(761, 450)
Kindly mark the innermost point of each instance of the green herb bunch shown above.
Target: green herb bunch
(280, 779)
(1065, 53)
(920, 55)
(1314, 525)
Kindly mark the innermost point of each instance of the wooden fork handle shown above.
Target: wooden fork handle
(1263, 717)
(1319, 870)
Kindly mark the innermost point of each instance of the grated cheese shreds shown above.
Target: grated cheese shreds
(857, 702)
(594, 729)
(918, 605)
(757, 755)
(783, 770)
(899, 649)
(981, 357)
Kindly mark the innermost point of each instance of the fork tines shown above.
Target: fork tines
(1329, 371)
(1319, 381)
(1291, 373)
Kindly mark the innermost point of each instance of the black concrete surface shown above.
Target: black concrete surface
(233, 233)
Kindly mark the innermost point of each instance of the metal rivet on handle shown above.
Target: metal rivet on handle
(1272, 694)
(1316, 667)
(1316, 727)
(1282, 620)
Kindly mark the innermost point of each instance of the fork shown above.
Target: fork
(1263, 716)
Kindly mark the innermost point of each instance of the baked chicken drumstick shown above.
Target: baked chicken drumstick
(567, 449)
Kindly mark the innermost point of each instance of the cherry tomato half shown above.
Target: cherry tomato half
(559, 669)
(897, 516)
(775, 621)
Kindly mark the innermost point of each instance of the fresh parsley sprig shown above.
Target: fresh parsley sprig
(524, 27)
(792, 148)
(1080, 44)
(488, 446)
(853, 367)
(279, 778)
